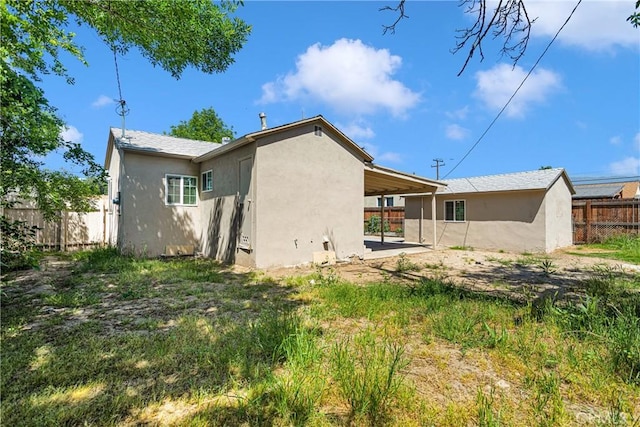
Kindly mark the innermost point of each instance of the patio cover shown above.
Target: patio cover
(381, 181)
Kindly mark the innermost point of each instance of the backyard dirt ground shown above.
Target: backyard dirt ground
(519, 276)
(442, 373)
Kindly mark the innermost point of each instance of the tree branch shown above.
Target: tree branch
(401, 15)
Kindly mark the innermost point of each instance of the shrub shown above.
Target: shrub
(373, 225)
(17, 246)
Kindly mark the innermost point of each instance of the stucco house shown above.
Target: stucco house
(525, 211)
(279, 196)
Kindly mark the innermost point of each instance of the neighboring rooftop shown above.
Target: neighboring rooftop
(163, 144)
(533, 180)
(599, 191)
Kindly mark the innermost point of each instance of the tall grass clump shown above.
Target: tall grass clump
(488, 416)
(298, 391)
(608, 314)
(404, 264)
(369, 376)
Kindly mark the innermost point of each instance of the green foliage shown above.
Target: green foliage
(487, 415)
(403, 264)
(548, 267)
(634, 18)
(624, 247)
(373, 225)
(30, 130)
(170, 34)
(204, 125)
(35, 36)
(16, 247)
(369, 375)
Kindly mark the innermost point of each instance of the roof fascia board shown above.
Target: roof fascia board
(396, 174)
(252, 137)
(156, 153)
(218, 151)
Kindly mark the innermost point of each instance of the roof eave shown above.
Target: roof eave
(218, 151)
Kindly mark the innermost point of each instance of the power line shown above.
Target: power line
(516, 91)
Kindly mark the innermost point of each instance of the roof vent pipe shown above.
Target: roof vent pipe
(263, 120)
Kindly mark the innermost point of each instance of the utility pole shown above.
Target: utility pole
(439, 162)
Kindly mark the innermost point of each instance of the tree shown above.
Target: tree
(204, 125)
(509, 20)
(35, 34)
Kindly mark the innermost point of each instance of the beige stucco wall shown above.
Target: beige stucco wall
(558, 216)
(147, 224)
(510, 221)
(218, 208)
(308, 187)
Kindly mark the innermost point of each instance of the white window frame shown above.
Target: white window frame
(182, 182)
(204, 181)
(379, 202)
(455, 202)
(317, 130)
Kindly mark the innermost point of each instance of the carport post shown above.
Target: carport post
(420, 223)
(382, 219)
(433, 217)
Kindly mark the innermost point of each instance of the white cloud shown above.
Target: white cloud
(627, 166)
(388, 156)
(459, 114)
(349, 76)
(71, 134)
(357, 130)
(102, 101)
(495, 86)
(595, 26)
(456, 132)
(615, 140)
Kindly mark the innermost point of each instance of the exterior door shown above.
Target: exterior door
(244, 203)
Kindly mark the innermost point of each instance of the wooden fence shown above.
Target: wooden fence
(597, 220)
(72, 231)
(393, 219)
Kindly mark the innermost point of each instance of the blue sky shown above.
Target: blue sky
(397, 95)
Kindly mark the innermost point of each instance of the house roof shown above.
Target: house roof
(154, 143)
(251, 137)
(521, 181)
(379, 180)
(598, 191)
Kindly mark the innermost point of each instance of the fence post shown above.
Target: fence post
(587, 221)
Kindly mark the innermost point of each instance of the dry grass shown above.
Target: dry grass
(108, 340)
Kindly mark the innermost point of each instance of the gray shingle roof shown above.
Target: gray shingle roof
(532, 180)
(163, 144)
(597, 191)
